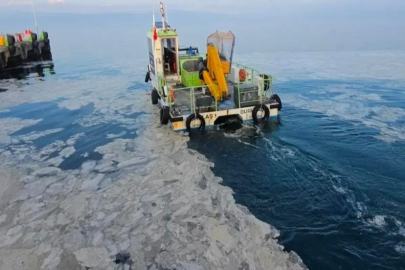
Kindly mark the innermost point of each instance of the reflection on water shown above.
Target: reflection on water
(38, 70)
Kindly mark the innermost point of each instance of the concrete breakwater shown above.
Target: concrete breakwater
(20, 48)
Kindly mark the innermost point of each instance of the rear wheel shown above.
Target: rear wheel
(155, 97)
(164, 115)
(260, 113)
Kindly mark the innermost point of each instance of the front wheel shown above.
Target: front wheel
(155, 96)
(260, 113)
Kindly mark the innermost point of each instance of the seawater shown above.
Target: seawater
(328, 173)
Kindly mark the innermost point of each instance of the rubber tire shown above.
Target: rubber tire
(256, 110)
(278, 100)
(45, 35)
(164, 115)
(190, 118)
(147, 77)
(155, 97)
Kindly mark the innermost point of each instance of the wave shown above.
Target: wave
(377, 221)
(400, 248)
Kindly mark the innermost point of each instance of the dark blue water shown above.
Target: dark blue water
(334, 188)
(328, 173)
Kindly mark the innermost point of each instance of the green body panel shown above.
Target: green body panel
(42, 37)
(189, 79)
(165, 33)
(161, 84)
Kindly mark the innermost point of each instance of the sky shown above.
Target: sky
(214, 6)
(275, 25)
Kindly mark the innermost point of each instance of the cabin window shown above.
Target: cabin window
(169, 56)
(151, 57)
(150, 45)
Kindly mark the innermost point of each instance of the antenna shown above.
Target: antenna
(167, 13)
(162, 11)
(153, 15)
(35, 16)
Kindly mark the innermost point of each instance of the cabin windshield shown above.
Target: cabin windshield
(169, 56)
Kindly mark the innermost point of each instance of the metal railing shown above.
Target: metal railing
(250, 72)
(187, 96)
(184, 96)
(249, 97)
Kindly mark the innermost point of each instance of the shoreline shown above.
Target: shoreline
(149, 203)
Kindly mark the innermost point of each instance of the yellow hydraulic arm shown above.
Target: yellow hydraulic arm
(215, 72)
(213, 88)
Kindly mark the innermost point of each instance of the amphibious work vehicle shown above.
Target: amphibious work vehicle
(195, 91)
